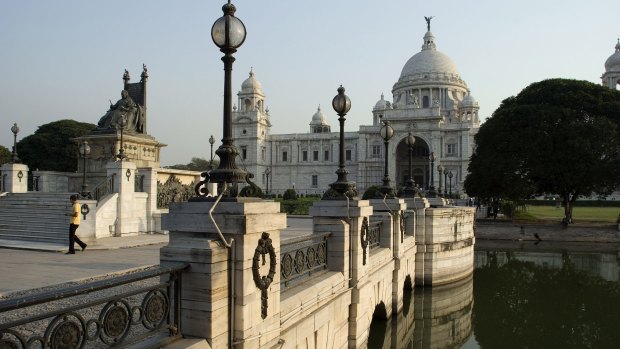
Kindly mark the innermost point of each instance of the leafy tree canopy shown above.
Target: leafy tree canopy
(557, 136)
(197, 164)
(5, 155)
(51, 147)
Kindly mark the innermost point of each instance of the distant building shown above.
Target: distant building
(429, 99)
(611, 77)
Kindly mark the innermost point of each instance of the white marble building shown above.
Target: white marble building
(611, 76)
(430, 99)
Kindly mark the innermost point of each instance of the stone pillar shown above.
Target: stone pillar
(344, 219)
(206, 284)
(14, 178)
(418, 206)
(124, 173)
(150, 187)
(88, 224)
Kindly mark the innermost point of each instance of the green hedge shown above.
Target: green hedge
(300, 206)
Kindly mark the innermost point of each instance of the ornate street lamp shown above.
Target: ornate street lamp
(267, 173)
(431, 189)
(211, 141)
(450, 176)
(387, 132)
(440, 170)
(84, 152)
(122, 122)
(228, 33)
(341, 189)
(14, 158)
(409, 190)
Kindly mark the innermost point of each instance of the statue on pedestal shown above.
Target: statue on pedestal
(124, 106)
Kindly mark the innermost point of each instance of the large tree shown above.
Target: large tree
(557, 136)
(51, 147)
(5, 155)
(197, 164)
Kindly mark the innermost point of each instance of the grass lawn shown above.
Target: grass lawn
(580, 214)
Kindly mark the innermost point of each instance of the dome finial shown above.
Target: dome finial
(618, 45)
(428, 22)
(251, 71)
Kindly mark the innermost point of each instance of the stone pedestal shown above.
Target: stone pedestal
(124, 173)
(14, 178)
(232, 262)
(417, 207)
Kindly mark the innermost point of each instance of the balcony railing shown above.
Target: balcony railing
(114, 311)
(303, 257)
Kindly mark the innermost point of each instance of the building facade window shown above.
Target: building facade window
(451, 149)
(347, 155)
(244, 152)
(315, 181)
(376, 151)
(304, 155)
(263, 154)
(315, 155)
(284, 156)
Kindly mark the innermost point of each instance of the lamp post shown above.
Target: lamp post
(387, 132)
(440, 170)
(410, 189)
(228, 33)
(445, 182)
(121, 151)
(341, 189)
(14, 158)
(84, 152)
(267, 173)
(450, 176)
(211, 141)
(431, 190)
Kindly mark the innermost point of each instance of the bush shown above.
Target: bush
(372, 192)
(290, 194)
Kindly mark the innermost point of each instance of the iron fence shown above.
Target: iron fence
(115, 311)
(303, 257)
(374, 234)
(104, 188)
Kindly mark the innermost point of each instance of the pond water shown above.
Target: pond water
(538, 297)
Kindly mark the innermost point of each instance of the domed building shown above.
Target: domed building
(429, 100)
(611, 77)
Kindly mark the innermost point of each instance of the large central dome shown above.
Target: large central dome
(429, 60)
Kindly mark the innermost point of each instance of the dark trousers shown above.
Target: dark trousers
(73, 239)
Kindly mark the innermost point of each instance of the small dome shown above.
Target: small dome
(318, 119)
(469, 101)
(382, 104)
(613, 62)
(251, 84)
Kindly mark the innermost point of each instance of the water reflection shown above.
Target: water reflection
(516, 299)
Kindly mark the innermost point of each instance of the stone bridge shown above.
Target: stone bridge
(250, 286)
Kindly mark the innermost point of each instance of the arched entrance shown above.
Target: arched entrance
(419, 163)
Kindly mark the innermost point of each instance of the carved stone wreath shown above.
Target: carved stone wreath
(262, 282)
(364, 237)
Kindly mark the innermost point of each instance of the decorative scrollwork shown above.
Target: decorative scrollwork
(262, 282)
(300, 261)
(7, 343)
(66, 331)
(115, 318)
(311, 257)
(321, 254)
(201, 188)
(155, 307)
(364, 237)
(251, 190)
(287, 265)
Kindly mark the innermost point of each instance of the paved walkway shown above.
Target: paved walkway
(25, 265)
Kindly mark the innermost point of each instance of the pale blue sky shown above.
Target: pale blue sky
(65, 59)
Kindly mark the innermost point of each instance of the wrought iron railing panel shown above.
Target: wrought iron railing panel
(114, 311)
(104, 188)
(139, 184)
(374, 234)
(302, 257)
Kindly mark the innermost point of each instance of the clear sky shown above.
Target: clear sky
(65, 59)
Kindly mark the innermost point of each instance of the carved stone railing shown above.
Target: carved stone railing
(302, 257)
(374, 234)
(114, 311)
(104, 188)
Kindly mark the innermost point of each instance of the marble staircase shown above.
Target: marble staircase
(35, 216)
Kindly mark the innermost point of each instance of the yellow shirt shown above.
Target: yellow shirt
(76, 208)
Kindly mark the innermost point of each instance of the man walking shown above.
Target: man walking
(74, 223)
